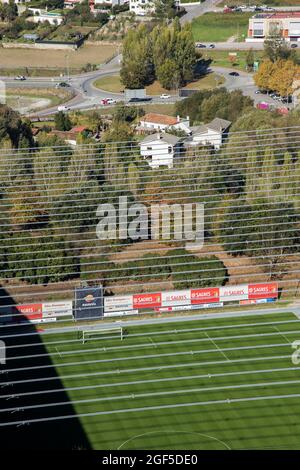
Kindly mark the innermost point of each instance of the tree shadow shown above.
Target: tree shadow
(62, 434)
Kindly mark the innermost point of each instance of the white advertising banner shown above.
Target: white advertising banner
(175, 297)
(231, 293)
(118, 303)
(120, 314)
(57, 309)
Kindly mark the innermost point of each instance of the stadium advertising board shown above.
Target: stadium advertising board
(175, 297)
(147, 300)
(88, 303)
(57, 309)
(192, 298)
(263, 291)
(31, 312)
(231, 293)
(211, 305)
(204, 296)
(118, 303)
(121, 313)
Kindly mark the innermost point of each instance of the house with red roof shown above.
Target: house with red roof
(153, 122)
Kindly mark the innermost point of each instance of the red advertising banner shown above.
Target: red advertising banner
(205, 296)
(263, 291)
(29, 311)
(147, 300)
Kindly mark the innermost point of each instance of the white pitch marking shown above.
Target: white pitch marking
(217, 347)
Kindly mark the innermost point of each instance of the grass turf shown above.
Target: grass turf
(201, 384)
(212, 27)
(113, 84)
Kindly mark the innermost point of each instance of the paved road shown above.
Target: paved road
(89, 97)
(212, 5)
(195, 11)
(233, 46)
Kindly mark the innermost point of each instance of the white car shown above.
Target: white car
(20, 77)
(63, 108)
(164, 96)
(111, 101)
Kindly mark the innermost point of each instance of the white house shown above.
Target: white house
(212, 133)
(70, 4)
(163, 122)
(161, 149)
(142, 7)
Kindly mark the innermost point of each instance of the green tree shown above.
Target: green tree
(137, 65)
(62, 121)
(250, 59)
(168, 74)
(275, 48)
(165, 9)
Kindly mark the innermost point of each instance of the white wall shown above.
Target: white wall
(142, 7)
(158, 153)
(210, 137)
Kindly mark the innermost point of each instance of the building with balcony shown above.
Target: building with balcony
(282, 23)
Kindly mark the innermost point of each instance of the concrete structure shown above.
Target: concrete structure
(95, 5)
(285, 24)
(142, 7)
(41, 16)
(161, 149)
(18, 2)
(163, 122)
(212, 134)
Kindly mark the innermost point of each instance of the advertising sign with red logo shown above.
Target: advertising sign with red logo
(147, 300)
(263, 291)
(204, 296)
(175, 297)
(29, 312)
(231, 293)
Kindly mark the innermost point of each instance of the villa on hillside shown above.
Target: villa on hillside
(213, 133)
(162, 122)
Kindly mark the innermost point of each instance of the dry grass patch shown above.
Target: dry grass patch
(16, 58)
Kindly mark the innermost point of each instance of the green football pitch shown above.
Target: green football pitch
(227, 383)
(217, 383)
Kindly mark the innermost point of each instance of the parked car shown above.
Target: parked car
(211, 46)
(199, 45)
(294, 45)
(20, 77)
(234, 74)
(164, 96)
(63, 108)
